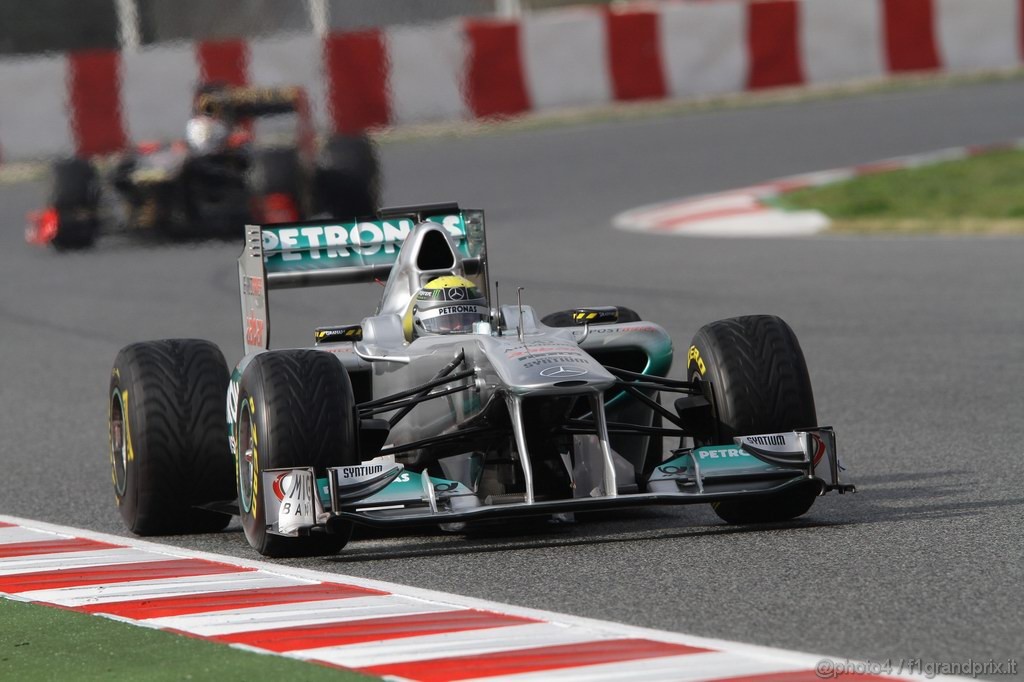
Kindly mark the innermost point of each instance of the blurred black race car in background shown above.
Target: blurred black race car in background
(250, 155)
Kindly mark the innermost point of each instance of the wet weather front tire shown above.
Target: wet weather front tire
(168, 436)
(295, 409)
(760, 384)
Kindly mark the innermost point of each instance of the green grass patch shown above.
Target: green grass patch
(45, 643)
(979, 195)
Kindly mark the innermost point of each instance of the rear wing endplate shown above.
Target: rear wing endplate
(290, 255)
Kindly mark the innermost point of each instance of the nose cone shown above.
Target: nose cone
(548, 367)
(563, 377)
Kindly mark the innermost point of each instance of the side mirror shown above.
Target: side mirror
(347, 332)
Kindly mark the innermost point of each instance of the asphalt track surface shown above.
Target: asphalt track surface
(915, 346)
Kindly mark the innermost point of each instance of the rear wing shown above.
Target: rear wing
(241, 104)
(307, 254)
(247, 102)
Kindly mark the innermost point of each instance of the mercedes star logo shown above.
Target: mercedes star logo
(456, 294)
(562, 372)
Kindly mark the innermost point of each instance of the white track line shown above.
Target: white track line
(155, 589)
(689, 668)
(40, 563)
(297, 615)
(469, 643)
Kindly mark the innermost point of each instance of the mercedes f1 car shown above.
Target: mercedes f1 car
(250, 154)
(382, 424)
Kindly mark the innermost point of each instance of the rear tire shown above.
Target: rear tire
(760, 384)
(75, 194)
(168, 436)
(210, 198)
(278, 170)
(295, 409)
(347, 180)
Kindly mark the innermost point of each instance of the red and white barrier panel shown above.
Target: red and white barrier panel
(466, 69)
(382, 629)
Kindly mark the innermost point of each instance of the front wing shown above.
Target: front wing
(381, 493)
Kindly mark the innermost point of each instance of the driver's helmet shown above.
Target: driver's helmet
(206, 134)
(446, 305)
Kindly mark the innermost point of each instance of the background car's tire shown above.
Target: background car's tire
(760, 384)
(168, 436)
(299, 406)
(75, 194)
(212, 197)
(563, 318)
(279, 171)
(347, 179)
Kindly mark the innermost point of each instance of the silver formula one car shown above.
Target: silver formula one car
(441, 408)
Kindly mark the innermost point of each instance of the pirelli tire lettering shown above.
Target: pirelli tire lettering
(247, 458)
(695, 362)
(121, 455)
(231, 404)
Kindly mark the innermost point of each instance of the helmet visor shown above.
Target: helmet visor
(205, 135)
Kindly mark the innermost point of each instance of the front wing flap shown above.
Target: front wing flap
(810, 453)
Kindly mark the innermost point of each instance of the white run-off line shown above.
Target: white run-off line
(383, 629)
